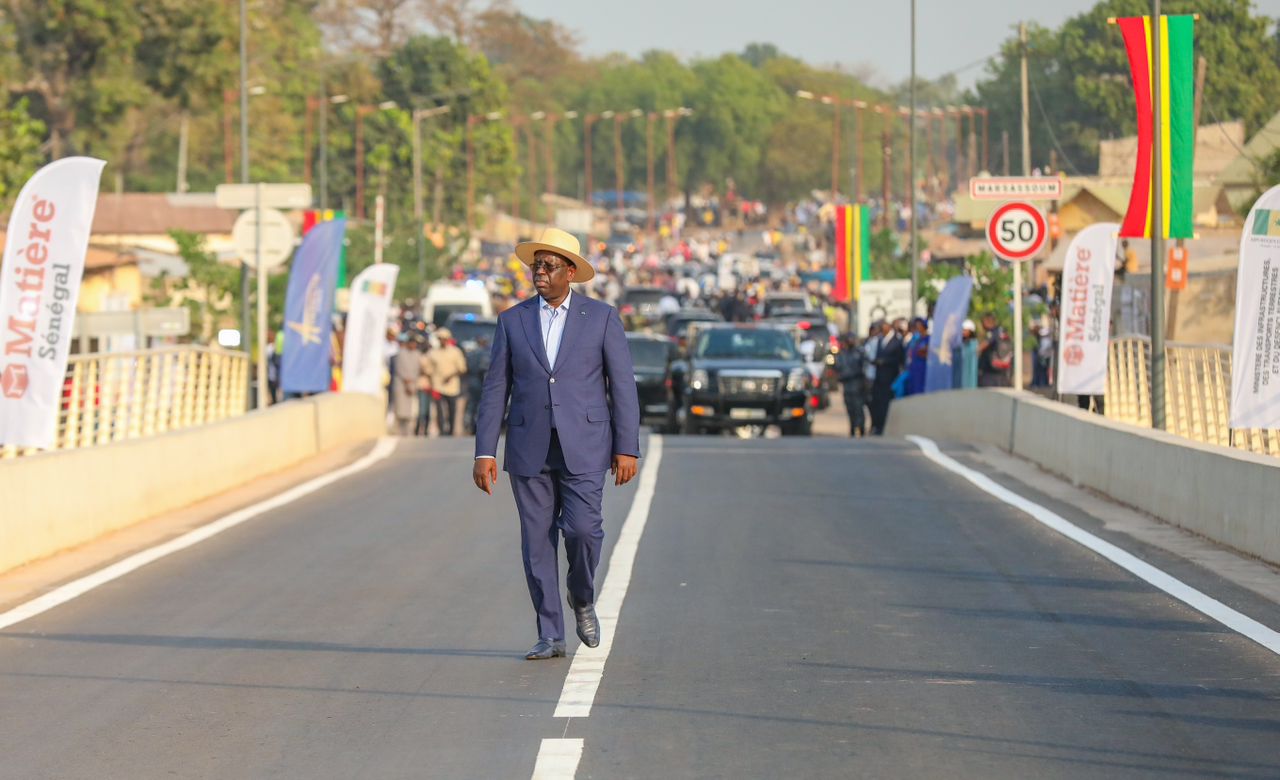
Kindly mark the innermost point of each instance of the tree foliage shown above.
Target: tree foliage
(19, 150)
(1082, 93)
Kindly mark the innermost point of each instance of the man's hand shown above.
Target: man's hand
(485, 474)
(623, 469)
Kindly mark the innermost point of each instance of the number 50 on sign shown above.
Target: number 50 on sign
(1016, 231)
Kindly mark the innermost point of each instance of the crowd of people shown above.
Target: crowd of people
(429, 371)
(892, 361)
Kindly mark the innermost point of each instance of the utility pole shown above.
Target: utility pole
(648, 147)
(1157, 230)
(858, 119)
(244, 179)
(911, 166)
(1026, 171)
(184, 130)
(419, 205)
(835, 147)
(886, 171)
(587, 122)
(324, 148)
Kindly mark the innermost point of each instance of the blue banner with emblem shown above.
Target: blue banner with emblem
(946, 335)
(308, 309)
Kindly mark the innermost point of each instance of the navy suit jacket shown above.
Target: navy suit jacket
(590, 392)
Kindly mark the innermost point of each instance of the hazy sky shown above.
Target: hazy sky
(951, 34)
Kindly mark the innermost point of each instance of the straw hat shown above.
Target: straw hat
(562, 244)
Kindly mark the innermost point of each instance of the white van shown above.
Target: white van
(447, 298)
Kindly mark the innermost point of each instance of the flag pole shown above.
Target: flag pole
(1157, 228)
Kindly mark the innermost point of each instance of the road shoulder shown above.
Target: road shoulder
(1241, 581)
(38, 577)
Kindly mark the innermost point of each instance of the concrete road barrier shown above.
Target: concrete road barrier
(1230, 496)
(56, 500)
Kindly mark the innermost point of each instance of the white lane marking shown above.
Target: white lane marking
(1267, 637)
(61, 595)
(587, 668)
(557, 759)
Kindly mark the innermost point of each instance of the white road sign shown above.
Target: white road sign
(277, 196)
(1016, 231)
(277, 237)
(1024, 187)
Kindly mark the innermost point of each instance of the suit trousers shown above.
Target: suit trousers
(552, 504)
(881, 397)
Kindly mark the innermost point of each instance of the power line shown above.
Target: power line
(1049, 126)
(1209, 107)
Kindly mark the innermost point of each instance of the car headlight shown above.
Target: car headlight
(797, 380)
(699, 380)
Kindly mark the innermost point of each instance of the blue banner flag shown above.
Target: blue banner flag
(944, 342)
(308, 309)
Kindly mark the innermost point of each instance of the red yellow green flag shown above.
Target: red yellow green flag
(853, 251)
(1174, 120)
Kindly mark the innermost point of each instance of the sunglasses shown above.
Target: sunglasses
(550, 268)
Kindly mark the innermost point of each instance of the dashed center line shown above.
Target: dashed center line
(558, 758)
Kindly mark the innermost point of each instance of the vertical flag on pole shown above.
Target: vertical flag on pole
(1174, 121)
(853, 251)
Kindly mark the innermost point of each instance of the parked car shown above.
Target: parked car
(639, 307)
(678, 323)
(468, 329)
(817, 347)
(652, 357)
(738, 375)
(788, 304)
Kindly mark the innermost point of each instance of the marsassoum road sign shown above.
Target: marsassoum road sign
(1017, 231)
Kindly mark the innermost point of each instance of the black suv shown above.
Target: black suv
(743, 375)
(652, 357)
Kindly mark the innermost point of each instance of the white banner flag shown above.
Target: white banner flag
(1255, 356)
(363, 357)
(39, 286)
(1084, 326)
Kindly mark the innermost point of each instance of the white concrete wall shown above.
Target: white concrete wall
(1229, 496)
(56, 500)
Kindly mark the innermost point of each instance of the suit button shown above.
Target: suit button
(553, 380)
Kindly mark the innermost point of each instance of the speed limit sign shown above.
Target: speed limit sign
(1016, 231)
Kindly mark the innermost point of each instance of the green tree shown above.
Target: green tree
(77, 65)
(734, 106)
(433, 71)
(209, 290)
(19, 150)
(1081, 89)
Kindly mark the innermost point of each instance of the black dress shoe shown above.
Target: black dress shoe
(588, 623)
(546, 648)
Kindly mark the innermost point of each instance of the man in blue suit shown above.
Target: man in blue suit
(562, 360)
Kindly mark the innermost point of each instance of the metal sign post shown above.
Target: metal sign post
(1017, 232)
(261, 200)
(261, 395)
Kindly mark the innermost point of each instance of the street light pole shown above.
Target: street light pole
(911, 166)
(1157, 231)
(648, 147)
(419, 198)
(244, 178)
(1026, 171)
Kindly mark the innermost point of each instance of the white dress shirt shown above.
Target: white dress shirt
(551, 322)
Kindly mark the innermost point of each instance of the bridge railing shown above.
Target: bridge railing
(1197, 393)
(127, 395)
